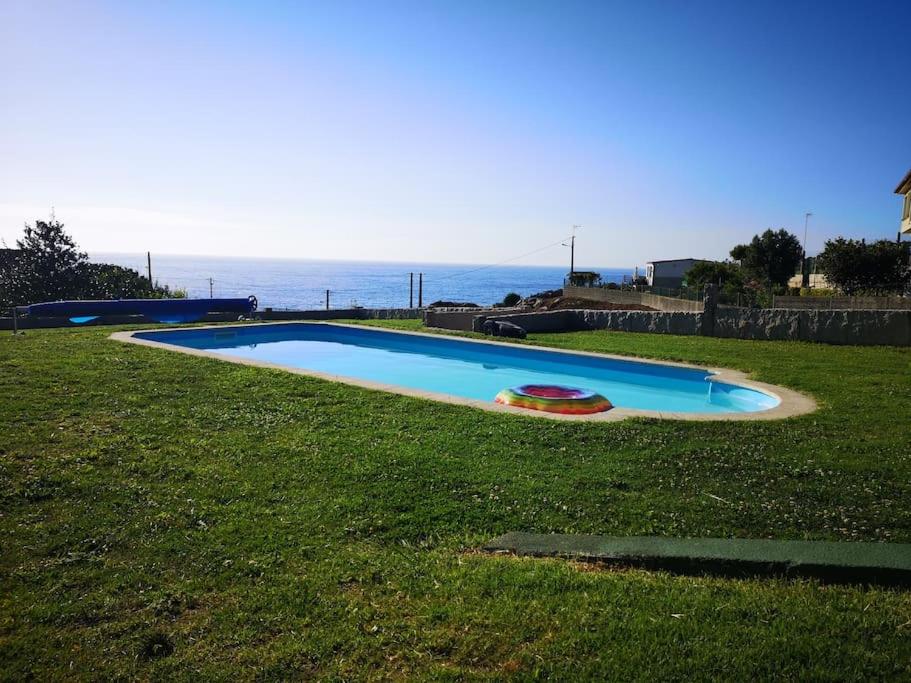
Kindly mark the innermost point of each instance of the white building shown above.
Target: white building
(669, 273)
(904, 188)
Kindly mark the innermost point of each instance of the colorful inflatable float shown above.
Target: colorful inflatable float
(554, 399)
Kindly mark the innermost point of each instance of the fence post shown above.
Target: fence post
(327, 299)
(709, 306)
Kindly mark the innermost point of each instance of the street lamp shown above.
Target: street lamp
(804, 273)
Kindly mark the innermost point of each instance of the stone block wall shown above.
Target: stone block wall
(459, 318)
(885, 303)
(545, 321)
(660, 322)
(26, 323)
(343, 314)
(864, 328)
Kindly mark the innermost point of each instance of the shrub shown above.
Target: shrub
(856, 267)
(511, 299)
(452, 304)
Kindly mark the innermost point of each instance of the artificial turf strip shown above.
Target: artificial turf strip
(165, 517)
(887, 564)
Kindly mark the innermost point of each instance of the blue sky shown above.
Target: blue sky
(455, 132)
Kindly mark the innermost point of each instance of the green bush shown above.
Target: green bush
(856, 267)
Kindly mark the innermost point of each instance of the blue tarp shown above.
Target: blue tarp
(160, 310)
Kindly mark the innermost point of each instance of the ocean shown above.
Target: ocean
(302, 284)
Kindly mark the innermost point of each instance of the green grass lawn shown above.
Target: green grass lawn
(169, 516)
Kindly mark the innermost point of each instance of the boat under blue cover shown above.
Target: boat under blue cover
(160, 310)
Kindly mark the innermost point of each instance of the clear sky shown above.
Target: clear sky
(465, 131)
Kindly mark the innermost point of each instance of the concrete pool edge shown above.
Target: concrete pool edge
(791, 403)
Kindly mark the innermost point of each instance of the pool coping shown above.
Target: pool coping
(791, 403)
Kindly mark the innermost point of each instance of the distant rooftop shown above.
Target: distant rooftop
(905, 185)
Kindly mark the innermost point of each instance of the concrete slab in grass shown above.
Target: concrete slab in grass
(879, 563)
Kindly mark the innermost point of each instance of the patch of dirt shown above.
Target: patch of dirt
(561, 303)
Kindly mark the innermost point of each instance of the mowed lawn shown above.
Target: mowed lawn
(164, 516)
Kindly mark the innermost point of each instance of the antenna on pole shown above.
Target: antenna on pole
(806, 223)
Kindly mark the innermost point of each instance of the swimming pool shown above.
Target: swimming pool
(470, 371)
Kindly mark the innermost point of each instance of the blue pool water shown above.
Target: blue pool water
(468, 369)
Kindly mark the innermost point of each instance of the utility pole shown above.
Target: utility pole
(327, 299)
(410, 290)
(572, 252)
(149, 264)
(211, 287)
(804, 273)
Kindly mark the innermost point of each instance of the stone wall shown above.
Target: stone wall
(26, 323)
(459, 318)
(660, 322)
(545, 321)
(343, 314)
(863, 328)
(880, 303)
(617, 296)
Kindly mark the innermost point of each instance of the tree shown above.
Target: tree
(108, 281)
(855, 267)
(48, 266)
(719, 273)
(734, 286)
(771, 258)
(584, 278)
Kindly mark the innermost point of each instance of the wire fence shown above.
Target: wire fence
(689, 294)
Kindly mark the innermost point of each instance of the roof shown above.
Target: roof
(904, 187)
(672, 260)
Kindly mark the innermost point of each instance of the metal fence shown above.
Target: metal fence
(689, 294)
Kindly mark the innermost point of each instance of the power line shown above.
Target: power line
(500, 263)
